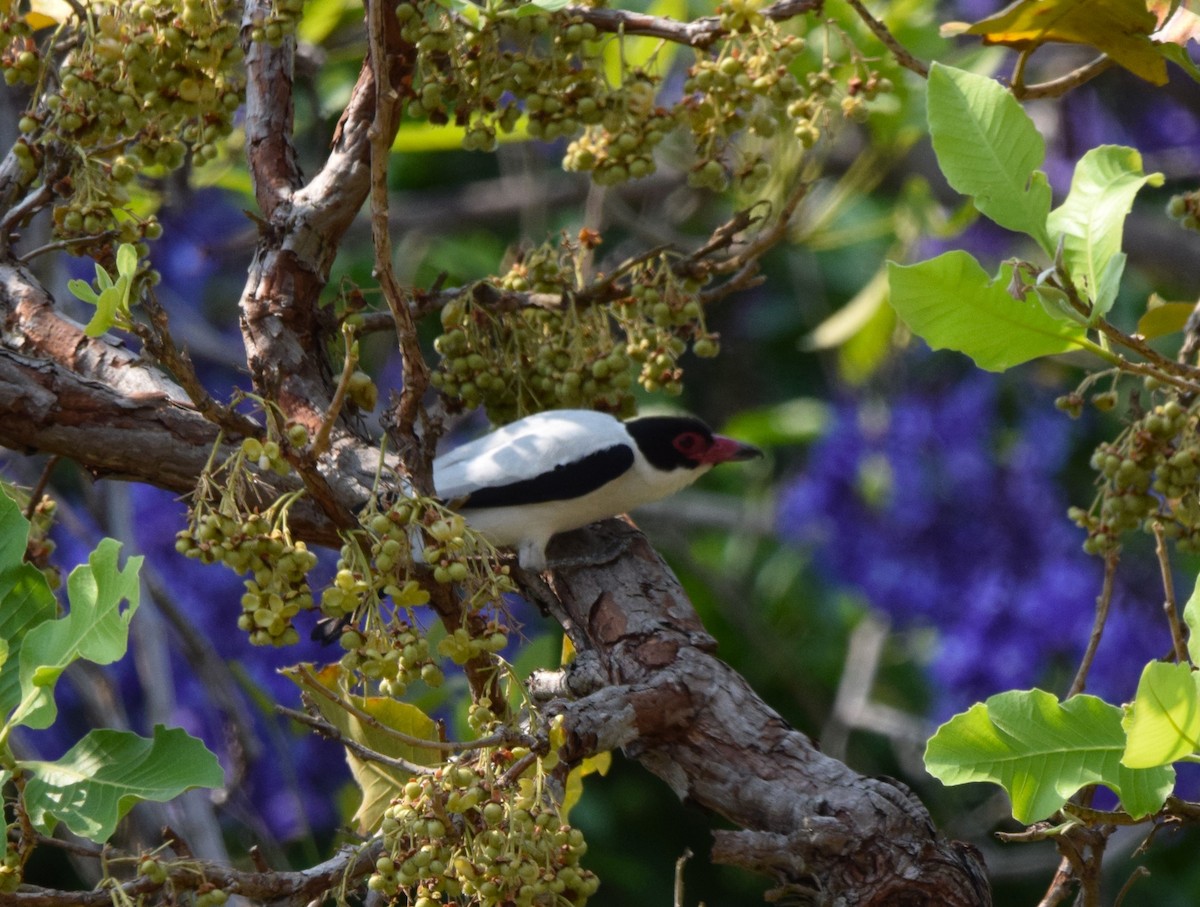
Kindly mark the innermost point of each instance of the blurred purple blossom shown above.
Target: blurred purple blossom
(943, 508)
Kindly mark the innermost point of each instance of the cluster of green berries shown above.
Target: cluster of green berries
(661, 316)
(1185, 208)
(268, 455)
(19, 58)
(532, 358)
(1149, 474)
(376, 563)
(277, 589)
(464, 644)
(224, 530)
(395, 659)
(272, 27)
(619, 146)
(464, 559)
(747, 86)
(146, 83)
(516, 59)
(456, 837)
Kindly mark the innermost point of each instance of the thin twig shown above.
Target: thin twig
(349, 366)
(517, 769)
(157, 341)
(1139, 872)
(325, 729)
(1170, 367)
(418, 457)
(903, 57)
(1170, 608)
(1018, 75)
(35, 496)
(698, 33)
(679, 865)
(1056, 87)
(1102, 604)
(27, 207)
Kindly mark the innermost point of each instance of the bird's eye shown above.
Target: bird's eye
(689, 443)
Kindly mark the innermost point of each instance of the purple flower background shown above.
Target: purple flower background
(942, 511)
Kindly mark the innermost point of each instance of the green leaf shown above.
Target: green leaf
(95, 628)
(103, 279)
(83, 291)
(1056, 303)
(1179, 55)
(1042, 752)
(1191, 617)
(379, 782)
(1162, 723)
(1110, 285)
(952, 303)
(127, 261)
(989, 149)
(26, 600)
(107, 304)
(101, 777)
(1092, 219)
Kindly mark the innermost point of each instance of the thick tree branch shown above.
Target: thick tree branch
(282, 889)
(821, 830)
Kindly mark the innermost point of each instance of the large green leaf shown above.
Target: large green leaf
(101, 777)
(1042, 752)
(25, 599)
(1092, 218)
(1162, 724)
(952, 303)
(989, 149)
(95, 628)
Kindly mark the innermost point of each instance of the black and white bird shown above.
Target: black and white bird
(562, 469)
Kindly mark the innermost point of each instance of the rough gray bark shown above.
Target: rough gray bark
(826, 834)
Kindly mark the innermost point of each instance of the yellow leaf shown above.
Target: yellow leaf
(1119, 28)
(44, 13)
(379, 782)
(422, 136)
(568, 650)
(600, 764)
(1162, 317)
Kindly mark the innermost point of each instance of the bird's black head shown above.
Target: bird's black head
(674, 442)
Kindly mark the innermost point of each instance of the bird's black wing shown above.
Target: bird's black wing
(562, 483)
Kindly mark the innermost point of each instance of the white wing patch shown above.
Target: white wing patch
(524, 450)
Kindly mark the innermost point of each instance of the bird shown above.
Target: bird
(562, 469)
